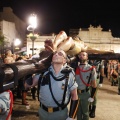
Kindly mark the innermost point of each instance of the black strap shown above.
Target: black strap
(62, 104)
(87, 87)
(66, 85)
(57, 79)
(52, 93)
(39, 81)
(39, 84)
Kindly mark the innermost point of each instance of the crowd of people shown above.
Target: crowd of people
(113, 73)
(20, 90)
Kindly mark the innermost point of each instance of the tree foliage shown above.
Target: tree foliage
(2, 39)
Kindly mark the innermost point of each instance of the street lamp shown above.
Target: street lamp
(15, 43)
(32, 27)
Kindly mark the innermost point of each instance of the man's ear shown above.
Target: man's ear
(64, 61)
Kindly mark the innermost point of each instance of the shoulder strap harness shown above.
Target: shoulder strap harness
(78, 72)
(65, 71)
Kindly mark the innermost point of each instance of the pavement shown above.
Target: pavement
(108, 106)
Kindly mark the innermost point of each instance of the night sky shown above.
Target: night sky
(57, 15)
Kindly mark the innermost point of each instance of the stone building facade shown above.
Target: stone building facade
(11, 26)
(96, 38)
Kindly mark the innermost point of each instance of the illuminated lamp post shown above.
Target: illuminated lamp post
(16, 43)
(32, 27)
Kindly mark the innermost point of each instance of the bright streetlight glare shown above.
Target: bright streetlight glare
(33, 20)
(31, 27)
(17, 42)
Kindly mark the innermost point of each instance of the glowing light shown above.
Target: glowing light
(33, 20)
(17, 42)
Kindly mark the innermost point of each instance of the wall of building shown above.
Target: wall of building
(38, 44)
(12, 26)
(9, 31)
(96, 38)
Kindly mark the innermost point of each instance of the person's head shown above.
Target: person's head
(17, 56)
(48, 44)
(14, 56)
(8, 53)
(59, 57)
(30, 55)
(83, 57)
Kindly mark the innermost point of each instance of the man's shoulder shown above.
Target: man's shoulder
(89, 65)
(67, 69)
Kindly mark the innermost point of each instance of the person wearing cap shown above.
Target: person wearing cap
(57, 88)
(85, 77)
